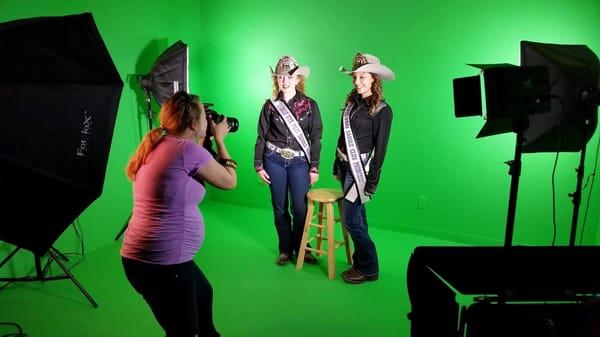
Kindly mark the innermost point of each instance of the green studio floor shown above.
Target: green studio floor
(253, 296)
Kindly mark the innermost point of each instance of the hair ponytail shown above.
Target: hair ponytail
(151, 139)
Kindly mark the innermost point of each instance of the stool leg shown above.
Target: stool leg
(330, 241)
(345, 232)
(320, 229)
(307, 221)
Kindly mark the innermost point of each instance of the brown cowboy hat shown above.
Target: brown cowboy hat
(288, 66)
(368, 63)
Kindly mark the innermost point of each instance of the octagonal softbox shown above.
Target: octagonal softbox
(59, 94)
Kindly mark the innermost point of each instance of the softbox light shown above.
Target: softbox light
(573, 70)
(59, 94)
(169, 73)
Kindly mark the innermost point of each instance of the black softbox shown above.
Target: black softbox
(573, 70)
(59, 94)
(169, 73)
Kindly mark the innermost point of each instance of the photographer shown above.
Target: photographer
(166, 229)
(286, 154)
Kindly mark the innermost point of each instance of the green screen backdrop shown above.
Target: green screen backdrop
(437, 179)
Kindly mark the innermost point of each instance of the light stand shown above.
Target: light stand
(576, 195)
(514, 171)
(592, 97)
(149, 113)
(53, 255)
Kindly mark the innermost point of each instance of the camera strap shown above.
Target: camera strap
(293, 125)
(357, 190)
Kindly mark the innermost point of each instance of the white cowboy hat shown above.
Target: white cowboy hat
(288, 66)
(367, 63)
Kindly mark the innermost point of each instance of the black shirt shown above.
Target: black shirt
(272, 128)
(370, 131)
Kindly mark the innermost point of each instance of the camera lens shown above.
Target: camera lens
(233, 124)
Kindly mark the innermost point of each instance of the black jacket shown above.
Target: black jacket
(272, 128)
(370, 131)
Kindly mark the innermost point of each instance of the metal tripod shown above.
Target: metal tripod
(53, 255)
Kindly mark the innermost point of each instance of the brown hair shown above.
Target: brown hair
(176, 114)
(300, 87)
(375, 98)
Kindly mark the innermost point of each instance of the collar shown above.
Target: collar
(290, 103)
(359, 101)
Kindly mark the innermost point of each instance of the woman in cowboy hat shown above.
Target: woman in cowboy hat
(287, 150)
(361, 147)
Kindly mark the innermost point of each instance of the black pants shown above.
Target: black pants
(179, 295)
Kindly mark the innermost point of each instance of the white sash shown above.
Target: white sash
(354, 159)
(293, 125)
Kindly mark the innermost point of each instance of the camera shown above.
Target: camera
(216, 117)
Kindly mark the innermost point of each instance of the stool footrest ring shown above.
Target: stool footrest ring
(315, 250)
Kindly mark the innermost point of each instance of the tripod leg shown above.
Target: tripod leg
(9, 257)
(41, 272)
(123, 229)
(38, 267)
(60, 255)
(52, 253)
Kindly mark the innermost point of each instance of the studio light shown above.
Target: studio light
(59, 96)
(550, 102)
(168, 75)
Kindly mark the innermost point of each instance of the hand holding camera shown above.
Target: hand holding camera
(219, 130)
(211, 115)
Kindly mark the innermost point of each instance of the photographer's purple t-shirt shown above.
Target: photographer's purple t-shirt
(166, 225)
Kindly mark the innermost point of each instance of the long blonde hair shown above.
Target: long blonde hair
(176, 114)
(375, 98)
(299, 87)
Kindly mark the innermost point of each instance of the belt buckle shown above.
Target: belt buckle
(288, 153)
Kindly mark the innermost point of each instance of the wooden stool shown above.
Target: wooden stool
(325, 197)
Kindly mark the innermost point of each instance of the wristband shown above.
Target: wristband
(228, 163)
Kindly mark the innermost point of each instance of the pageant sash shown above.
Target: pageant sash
(293, 125)
(355, 161)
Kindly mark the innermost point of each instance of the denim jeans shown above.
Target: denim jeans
(290, 181)
(355, 220)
